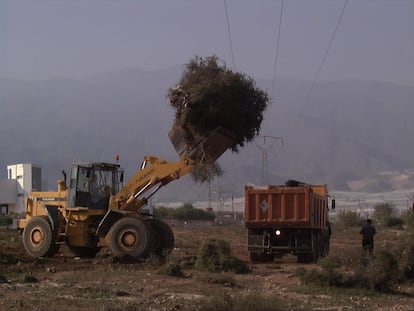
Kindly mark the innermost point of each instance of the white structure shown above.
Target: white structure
(8, 196)
(23, 178)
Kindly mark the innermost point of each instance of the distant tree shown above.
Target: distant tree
(185, 212)
(349, 219)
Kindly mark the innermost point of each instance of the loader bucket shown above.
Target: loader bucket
(205, 150)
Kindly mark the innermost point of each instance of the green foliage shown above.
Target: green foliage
(209, 95)
(206, 172)
(172, 268)
(382, 211)
(384, 214)
(382, 272)
(3, 279)
(28, 278)
(393, 221)
(185, 212)
(6, 221)
(215, 256)
(349, 219)
(8, 259)
(406, 252)
(408, 218)
(325, 277)
(379, 273)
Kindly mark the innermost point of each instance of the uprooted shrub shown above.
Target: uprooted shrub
(210, 95)
(215, 256)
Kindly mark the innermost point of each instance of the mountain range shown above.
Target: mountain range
(343, 133)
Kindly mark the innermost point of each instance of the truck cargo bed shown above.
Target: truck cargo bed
(304, 206)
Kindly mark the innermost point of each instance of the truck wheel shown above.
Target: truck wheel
(325, 247)
(164, 237)
(303, 258)
(38, 238)
(84, 252)
(307, 258)
(130, 237)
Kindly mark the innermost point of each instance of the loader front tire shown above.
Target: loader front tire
(130, 237)
(164, 236)
(38, 238)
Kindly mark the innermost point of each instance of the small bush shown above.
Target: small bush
(8, 259)
(3, 279)
(408, 218)
(379, 273)
(406, 258)
(215, 256)
(172, 268)
(393, 221)
(382, 272)
(6, 221)
(30, 279)
(236, 265)
(325, 277)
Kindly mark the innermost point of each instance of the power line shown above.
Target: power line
(229, 34)
(277, 50)
(325, 56)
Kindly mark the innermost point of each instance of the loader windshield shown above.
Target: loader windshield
(92, 185)
(103, 183)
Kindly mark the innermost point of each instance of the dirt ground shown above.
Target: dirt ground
(65, 282)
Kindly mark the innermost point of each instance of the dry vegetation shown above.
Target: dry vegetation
(65, 282)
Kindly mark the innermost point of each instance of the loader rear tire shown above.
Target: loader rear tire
(38, 238)
(164, 236)
(130, 237)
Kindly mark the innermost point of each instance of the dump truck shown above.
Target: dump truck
(287, 219)
(98, 210)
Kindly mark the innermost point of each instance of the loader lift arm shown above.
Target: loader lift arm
(154, 174)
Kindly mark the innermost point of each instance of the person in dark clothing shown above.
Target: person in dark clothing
(368, 231)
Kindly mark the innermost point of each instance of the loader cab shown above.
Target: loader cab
(92, 184)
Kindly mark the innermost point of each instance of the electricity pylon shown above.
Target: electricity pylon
(264, 149)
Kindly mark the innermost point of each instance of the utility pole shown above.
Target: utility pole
(264, 148)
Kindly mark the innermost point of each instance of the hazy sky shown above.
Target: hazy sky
(78, 38)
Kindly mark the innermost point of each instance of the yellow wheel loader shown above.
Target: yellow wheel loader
(97, 210)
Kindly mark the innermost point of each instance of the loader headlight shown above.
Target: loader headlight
(277, 232)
